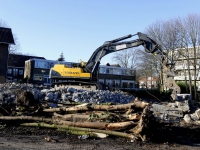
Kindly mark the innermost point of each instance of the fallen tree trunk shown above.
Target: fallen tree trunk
(73, 117)
(119, 125)
(142, 123)
(137, 104)
(99, 116)
(42, 119)
(82, 133)
(67, 128)
(139, 127)
(130, 117)
(96, 125)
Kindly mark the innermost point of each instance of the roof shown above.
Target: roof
(19, 60)
(115, 65)
(6, 36)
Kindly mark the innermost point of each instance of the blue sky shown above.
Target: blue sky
(78, 27)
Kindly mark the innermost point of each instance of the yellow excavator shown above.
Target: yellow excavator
(85, 75)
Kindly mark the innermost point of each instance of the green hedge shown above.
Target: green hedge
(182, 85)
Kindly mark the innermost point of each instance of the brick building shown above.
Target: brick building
(6, 38)
(16, 63)
(149, 83)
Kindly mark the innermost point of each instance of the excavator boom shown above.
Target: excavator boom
(89, 71)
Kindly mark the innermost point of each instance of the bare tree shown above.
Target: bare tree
(193, 26)
(156, 32)
(148, 66)
(177, 36)
(126, 58)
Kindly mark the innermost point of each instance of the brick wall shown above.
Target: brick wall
(3, 62)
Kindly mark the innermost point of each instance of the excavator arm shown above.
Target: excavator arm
(150, 47)
(115, 45)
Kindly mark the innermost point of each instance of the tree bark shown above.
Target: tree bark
(137, 104)
(115, 133)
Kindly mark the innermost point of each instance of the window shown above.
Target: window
(182, 73)
(37, 77)
(116, 83)
(42, 64)
(21, 72)
(116, 71)
(101, 81)
(110, 70)
(9, 71)
(125, 84)
(130, 85)
(132, 72)
(102, 70)
(107, 70)
(15, 72)
(108, 82)
(123, 72)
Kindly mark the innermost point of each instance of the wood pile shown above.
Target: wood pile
(98, 120)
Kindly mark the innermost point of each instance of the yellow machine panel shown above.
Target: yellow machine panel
(69, 72)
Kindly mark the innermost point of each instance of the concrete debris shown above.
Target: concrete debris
(187, 118)
(64, 94)
(183, 105)
(194, 117)
(166, 113)
(9, 92)
(197, 112)
(83, 137)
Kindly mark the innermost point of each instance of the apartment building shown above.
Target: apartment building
(116, 76)
(184, 60)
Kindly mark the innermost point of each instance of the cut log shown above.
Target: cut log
(130, 117)
(73, 117)
(120, 125)
(114, 133)
(95, 125)
(137, 104)
(42, 119)
(97, 116)
(138, 129)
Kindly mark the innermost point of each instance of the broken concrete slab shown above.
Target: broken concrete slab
(183, 105)
(197, 112)
(159, 109)
(188, 118)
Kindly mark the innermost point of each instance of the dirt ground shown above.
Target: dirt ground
(159, 138)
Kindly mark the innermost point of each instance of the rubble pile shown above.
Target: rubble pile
(88, 113)
(8, 93)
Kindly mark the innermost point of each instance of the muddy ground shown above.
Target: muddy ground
(159, 136)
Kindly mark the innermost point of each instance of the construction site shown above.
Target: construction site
(78, 112)
(97, 119)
